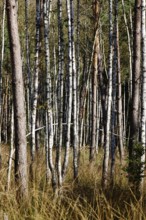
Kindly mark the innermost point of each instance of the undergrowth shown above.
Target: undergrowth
(80, 200)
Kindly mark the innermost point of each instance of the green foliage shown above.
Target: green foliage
(136, 166)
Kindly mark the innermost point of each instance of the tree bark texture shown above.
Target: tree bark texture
(19, 101)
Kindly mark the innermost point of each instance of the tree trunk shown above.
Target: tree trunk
(66, 158)
(1, 69)
(19, 102)
(60, 91)
(94, 79)
(35, 83)
(143, 98)
(135, 102)
(109, 102)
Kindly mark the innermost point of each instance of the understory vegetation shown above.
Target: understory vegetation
(82, 199)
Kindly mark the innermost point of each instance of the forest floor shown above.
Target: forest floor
(82, 200)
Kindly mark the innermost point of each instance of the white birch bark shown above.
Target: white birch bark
(120, 117)
(143, 95)
(109, 102)
(12, 150)
(74, 93)
(35, 82)
(114, 81)
(47, 14)
(66, 158)
(47, 150)
(78, 66)
(60, 92)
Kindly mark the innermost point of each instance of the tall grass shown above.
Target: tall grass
(78, 200)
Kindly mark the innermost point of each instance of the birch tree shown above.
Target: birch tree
(109, 101)
(114, 80)
(143, 95)
(35, 81)
(74, 87)
(94, 77)
(66, 158)
(60, 91)
(119, 102)
(47, 9)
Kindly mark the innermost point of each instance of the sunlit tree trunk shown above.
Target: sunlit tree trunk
(75, 104)
(114, 82)
(109, 101)
(143, 95)
(66, 158)
(35, 82)
(47, 9)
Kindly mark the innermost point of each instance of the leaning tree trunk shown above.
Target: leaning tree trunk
(19, 101)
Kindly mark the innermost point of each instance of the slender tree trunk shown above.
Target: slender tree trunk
(47, 150)
(75, 116)
(19, 102)
(60, 91)
(135, 103)
(35, 83)
(12, 150)
(28, 89)
(109, 102)
(47, 9)
(1, 69)
(129, 46)
(119, 102)
(66, 158)
(94, 79)
(143, 100)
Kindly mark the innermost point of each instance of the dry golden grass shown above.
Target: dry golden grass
(80, 200)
